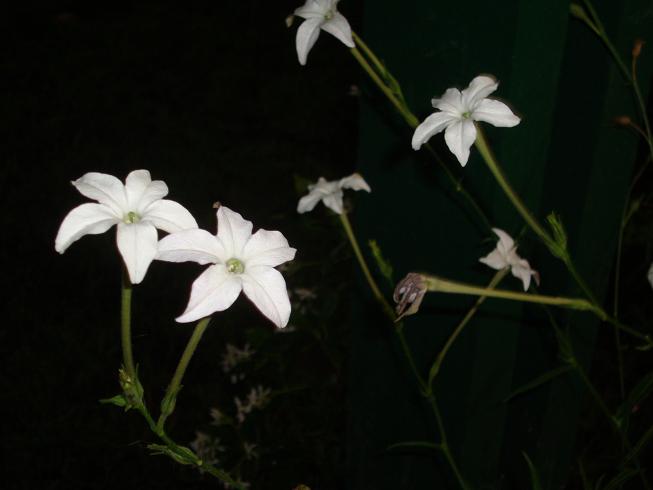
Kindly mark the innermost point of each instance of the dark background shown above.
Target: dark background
(211, 99)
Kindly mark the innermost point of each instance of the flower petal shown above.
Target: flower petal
(142, 191)
(308, 202)
(233, 231)
(431, 126)
(268, 248)
(354, 181)
(338, 27)
(495, 260)
(307, 34)
(169, 216)
(333, 201)
(505, 244)
(214, 290)
(266, 288)
(523, 271)
(137, 244)
(87, 219)
(451, 101)
(496, 113)
(191, 246)
(460, 136)
(312, 9)
(478, 89)
(105, 189)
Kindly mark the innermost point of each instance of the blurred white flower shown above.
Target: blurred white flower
(457, 113)
(250, 450)
(206, 447)
(505, 255)
(650, 275)
(217, 417)
(330, 193)
(257, 398)
(136, 207)
(234, 356)
(320, 14)
(240, 262)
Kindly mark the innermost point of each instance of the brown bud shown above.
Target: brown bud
(622, 121)
(637, 47)
(409, 294)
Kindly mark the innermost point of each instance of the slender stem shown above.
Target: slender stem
(444, 445)
(435, 368)
(387, 309)
(502, 180)
(380, 67)
(168, 403)
(642, 106)
(411, 120)
(125, 323)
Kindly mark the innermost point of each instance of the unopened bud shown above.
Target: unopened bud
(637, 48)
(289, 20)
(623, 121)
(409, 294)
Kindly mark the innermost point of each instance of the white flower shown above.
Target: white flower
(257, 398)
(240, 262)
(320, 14)
(505, 255)
(206, 447)
(330, 193)
(457, 113)
(136, 207)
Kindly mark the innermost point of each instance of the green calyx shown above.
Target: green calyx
(235, 266)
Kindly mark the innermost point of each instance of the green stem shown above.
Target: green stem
(168, 403)
(387, 309)
(125, 323)
(410, 119)
(435, 368)
(502, 180)
(444, 445)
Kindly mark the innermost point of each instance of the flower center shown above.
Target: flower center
(467, 115)
(235, 266)
(328, 15)
(131, 217)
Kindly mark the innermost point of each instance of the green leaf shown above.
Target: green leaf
(535, 477)
(636, 396)
(118, 401)
(383, 265)
(540, 380)
(180, 454)
(625, 475)
(648, 435)
(414, 445)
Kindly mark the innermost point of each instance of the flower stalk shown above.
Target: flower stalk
(125, 323)
(169, 400)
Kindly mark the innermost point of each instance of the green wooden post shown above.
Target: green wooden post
(564, 156)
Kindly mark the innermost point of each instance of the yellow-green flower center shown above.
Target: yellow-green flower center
(328, 15)
(235, 266)
(131, 217)
(467, 115)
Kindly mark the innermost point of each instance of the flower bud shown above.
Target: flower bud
(637, 48)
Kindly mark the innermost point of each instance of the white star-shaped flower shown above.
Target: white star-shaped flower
(320, 14)
(505, 255)
(136, 207)
(330, 193)
(240, 262)
(457, 113)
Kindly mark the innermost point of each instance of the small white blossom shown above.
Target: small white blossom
(257, 398)
(217, 417)
(320, 14)
(250, 450)
(136, 207)
(206, 447)
(457, 112)
(241, 261)
(234, 356)
(505, 255)
(330, 193)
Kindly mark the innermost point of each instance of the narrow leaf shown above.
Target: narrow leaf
(536, 484)
(636, 396)
(540, 380)
(620, 479)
